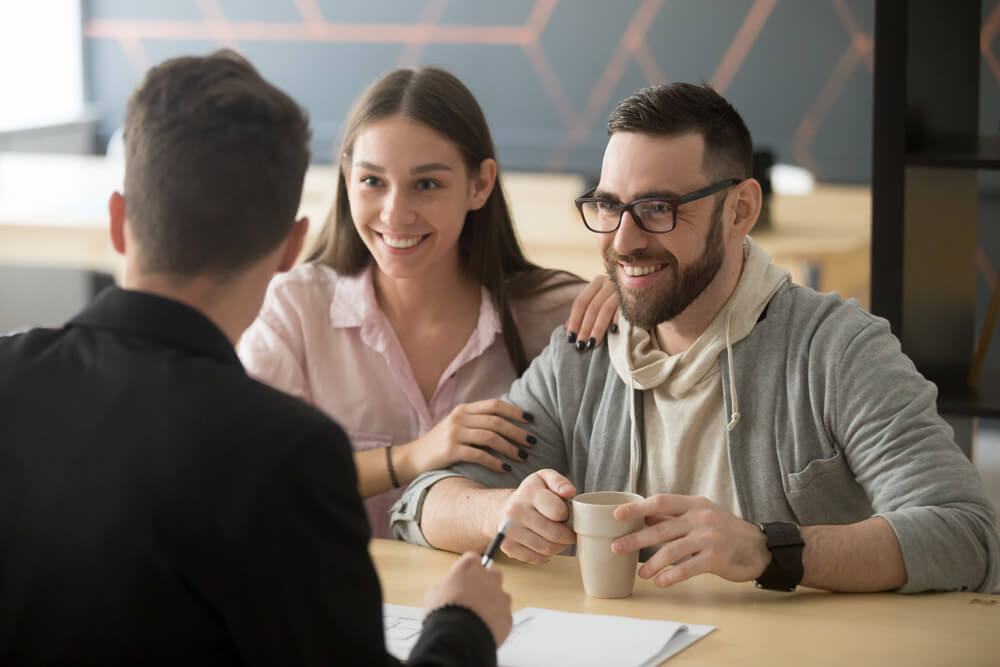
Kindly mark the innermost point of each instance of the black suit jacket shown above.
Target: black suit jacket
(157, 506)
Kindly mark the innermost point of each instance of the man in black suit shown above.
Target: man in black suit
(157, 506)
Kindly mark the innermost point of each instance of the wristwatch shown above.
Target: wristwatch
(785, 543)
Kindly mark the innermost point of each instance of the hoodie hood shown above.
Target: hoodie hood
(640, 362)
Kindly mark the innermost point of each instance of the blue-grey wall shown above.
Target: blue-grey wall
(547, 72)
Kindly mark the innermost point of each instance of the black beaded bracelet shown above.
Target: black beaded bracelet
(392, 469)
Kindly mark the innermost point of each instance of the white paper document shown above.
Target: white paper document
(402, 628)
(543, 638)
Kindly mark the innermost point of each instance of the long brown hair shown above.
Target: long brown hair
(487, 244)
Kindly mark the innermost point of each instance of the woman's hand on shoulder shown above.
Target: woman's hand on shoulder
(475, 432)
(594, 312)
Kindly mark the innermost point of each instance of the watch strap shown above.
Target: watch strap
(785, 543)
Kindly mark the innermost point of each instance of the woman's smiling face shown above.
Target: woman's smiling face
(409, 191)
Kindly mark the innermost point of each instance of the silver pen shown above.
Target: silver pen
(491, 550)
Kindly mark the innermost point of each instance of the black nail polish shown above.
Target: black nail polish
(580, 346)
(613, 328)
(572, 337)
(532, 440)
(591, 343)
(523, 454)
(528, 417)
(506, 466)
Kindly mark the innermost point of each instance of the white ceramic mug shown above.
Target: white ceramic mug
(605, 573)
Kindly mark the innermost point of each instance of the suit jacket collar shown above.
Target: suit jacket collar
(156, 319)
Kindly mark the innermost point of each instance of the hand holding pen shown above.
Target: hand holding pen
(470, 583)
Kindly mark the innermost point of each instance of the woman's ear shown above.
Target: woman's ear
(482, 184)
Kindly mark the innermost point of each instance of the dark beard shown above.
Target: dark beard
(647, 308)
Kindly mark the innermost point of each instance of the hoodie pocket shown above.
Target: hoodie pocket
(817, 468)
(825, 491)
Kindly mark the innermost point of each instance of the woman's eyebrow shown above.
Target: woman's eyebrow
(419, 169)
(369, 165)
(430, 166)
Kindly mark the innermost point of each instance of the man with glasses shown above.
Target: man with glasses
(779, 435)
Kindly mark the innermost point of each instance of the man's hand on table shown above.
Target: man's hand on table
(697, 535)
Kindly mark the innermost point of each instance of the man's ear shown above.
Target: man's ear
(294, 242)
(746, 202)
(482, 184)
(116, 211)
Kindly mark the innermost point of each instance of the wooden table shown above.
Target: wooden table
(823, 238)
(53, 209)
(53, 212)
(755, 627)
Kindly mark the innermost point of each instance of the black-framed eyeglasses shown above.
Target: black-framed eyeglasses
(656, 215)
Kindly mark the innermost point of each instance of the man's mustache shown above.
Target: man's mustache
(611, 257)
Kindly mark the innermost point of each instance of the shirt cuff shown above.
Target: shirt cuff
(940, 553)
(454, 635)
(404, 515)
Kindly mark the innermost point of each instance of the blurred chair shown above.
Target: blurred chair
(32, 296)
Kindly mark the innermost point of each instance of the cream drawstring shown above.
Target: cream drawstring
(735, 418)
(633, 472)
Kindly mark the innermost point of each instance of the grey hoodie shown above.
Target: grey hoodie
(684, 413)
(837, 425)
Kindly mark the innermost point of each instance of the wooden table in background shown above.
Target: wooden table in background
(53, 212)
(54, 209)
(755, 627)
(823, 238)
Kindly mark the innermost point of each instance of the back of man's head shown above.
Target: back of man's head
(215, 161)
(681, 108)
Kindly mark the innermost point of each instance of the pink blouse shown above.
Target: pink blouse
(323, 338)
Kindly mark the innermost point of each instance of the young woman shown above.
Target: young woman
(417, 307)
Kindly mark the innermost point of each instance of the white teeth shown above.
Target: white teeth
(641, 270)
(401, 242)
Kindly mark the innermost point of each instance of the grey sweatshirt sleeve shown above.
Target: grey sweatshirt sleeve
(536, 392)
(904, 456)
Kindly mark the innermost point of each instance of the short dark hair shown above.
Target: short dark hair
(215, 161)
(680, 108)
